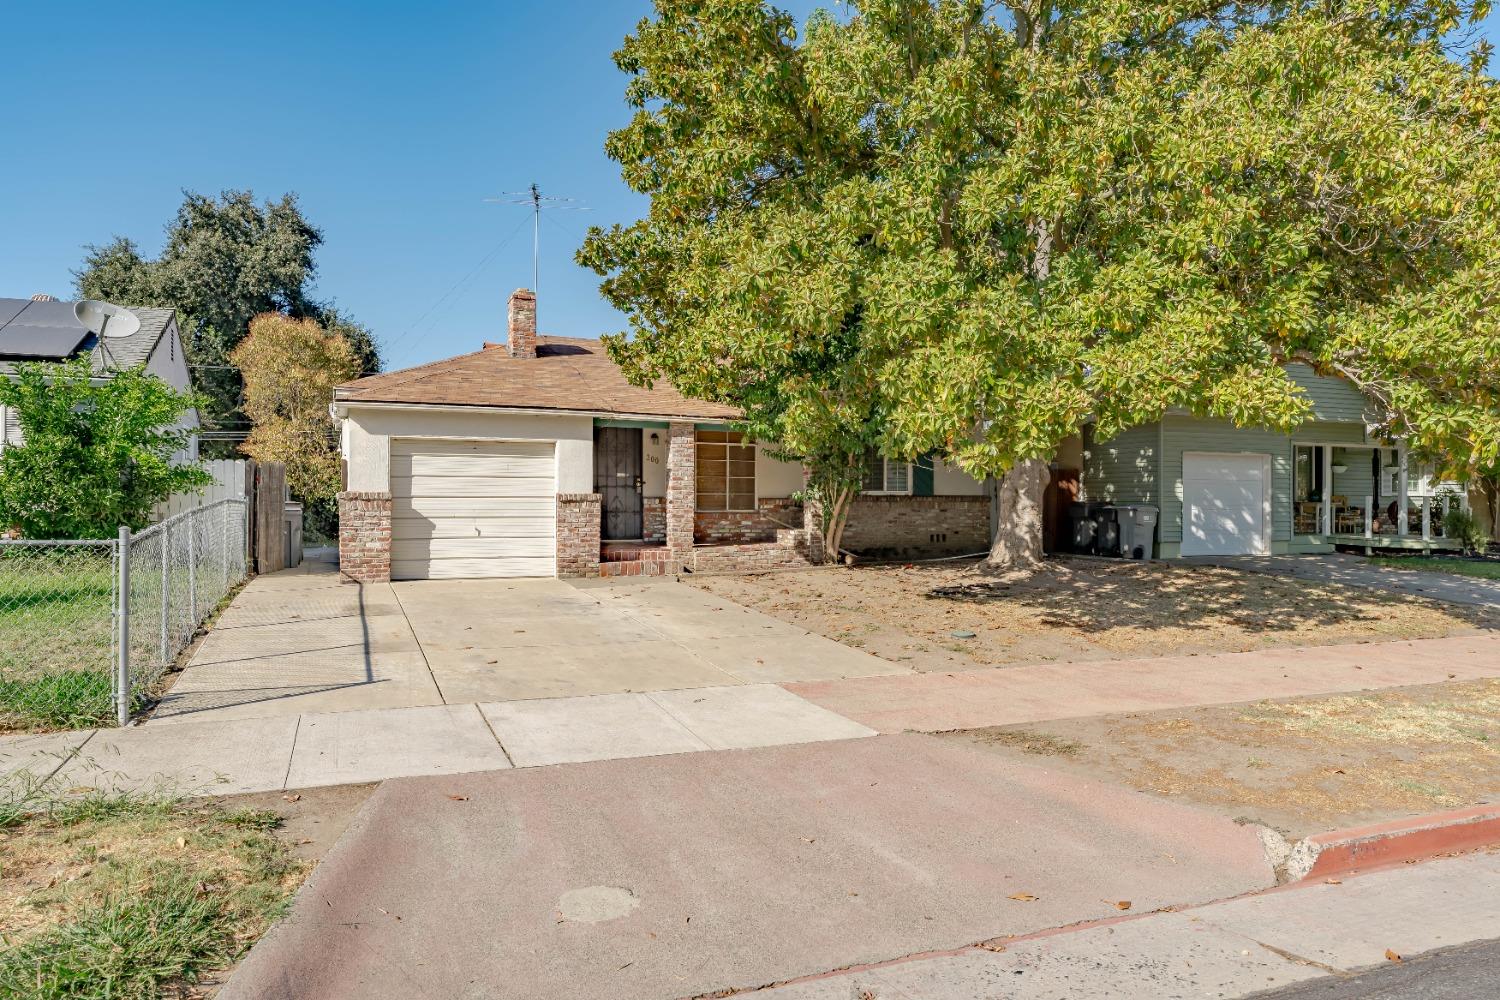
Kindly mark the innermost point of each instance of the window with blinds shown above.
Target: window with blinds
(726, 471)
(886, 476)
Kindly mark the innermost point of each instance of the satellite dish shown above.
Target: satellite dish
(106, 319)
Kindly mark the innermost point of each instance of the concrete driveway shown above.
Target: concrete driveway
(1357, 571)
(681, 876)
(307, 642)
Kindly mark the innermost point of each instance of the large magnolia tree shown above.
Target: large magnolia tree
(969, 227)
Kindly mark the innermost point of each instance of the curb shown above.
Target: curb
(1341, 852)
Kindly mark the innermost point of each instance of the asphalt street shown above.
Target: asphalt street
(1468, 972)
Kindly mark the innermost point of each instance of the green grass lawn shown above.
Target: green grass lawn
(56, 629)
(117, 897)
(1463, 567)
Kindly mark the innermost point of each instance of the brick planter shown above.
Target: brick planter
(365, 536)
(734, 527)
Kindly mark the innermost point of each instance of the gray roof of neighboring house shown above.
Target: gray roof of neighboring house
(114, 352)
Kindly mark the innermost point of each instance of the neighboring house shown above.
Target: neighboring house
(538, 458)
(43, 329)
(1227, 490)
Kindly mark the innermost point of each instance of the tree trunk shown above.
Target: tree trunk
(1018, 534)
(837, 518)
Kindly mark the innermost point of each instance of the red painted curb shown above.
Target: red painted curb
(1360, 848)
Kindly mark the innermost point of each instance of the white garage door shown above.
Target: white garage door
(472, 509)
(1224, 505)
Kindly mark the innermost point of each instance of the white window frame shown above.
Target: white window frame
(885, 480)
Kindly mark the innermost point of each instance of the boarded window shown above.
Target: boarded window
(726, 471)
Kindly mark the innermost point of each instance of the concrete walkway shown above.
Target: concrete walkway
(1043, 691)
(1357, 571)
(1308, 933)
(333, 748)
(681, 876)
(299, 642)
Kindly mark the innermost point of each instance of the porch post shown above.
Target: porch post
(1369, 516)
(1404, 503)
(1328, 489)
(1427, 518)
(682, 488)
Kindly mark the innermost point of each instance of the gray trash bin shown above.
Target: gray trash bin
(1137, 529)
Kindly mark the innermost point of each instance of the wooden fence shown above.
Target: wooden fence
(231, 482)
(263, 485)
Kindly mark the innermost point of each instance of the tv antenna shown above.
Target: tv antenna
(533, 196)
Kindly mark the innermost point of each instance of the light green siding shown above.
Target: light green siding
(1185, 434)
(1319, 432)
(1357, 481)
(1123, 469)
(1332, 398)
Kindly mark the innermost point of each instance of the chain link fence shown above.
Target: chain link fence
(88, 627)
(57, 634)
(177, 572)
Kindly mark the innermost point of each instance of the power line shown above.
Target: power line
(389, 345)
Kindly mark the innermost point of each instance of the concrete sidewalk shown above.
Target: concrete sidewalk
(1232, 949)
(1357, 571)
(1035, 692)
(685, 875)
(333, 748)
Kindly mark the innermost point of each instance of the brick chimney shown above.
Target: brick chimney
(522, 340)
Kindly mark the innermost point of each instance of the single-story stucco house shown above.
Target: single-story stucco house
(1227, 490)
(43, 328)
(537, 458)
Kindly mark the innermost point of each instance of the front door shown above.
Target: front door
(617, 480)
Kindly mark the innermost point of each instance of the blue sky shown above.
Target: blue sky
(392, 121)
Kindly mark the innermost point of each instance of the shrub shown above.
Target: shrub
(1462, 526)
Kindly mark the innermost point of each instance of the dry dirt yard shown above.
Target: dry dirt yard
(1081, 609)
(1301, 766)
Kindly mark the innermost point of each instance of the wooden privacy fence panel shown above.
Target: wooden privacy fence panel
(268, 516)
(231, 482)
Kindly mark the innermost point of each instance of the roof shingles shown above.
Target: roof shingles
(119, 352)
(568, 374)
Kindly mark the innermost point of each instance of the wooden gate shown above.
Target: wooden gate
(266, 485)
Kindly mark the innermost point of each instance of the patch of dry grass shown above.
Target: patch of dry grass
(1083, 609)
(1302, 765)
(122, 897)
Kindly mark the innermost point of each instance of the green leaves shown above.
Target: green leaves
(96, 453)
(923, 227)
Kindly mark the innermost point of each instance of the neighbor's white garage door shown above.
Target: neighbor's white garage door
(472, 509)
(1224, 505)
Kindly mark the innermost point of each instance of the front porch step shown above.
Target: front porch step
(637, 567)
(635, 559)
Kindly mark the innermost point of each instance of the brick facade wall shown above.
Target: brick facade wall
(682, 487)
(905, 526)
(654, 519)
(578, 523)
(738, 527)
(365, 536)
